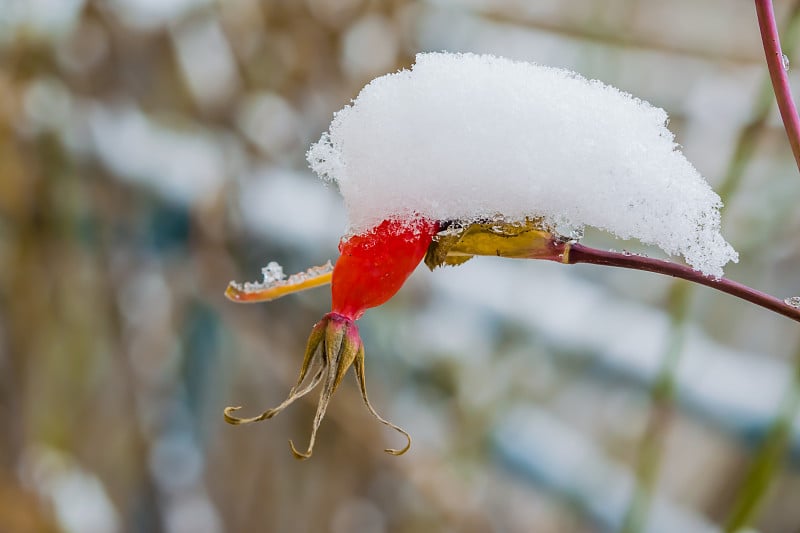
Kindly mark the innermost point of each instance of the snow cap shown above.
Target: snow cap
(469, 137)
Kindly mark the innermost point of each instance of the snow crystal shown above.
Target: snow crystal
(272, 273)
(274, 277)
(469, 137)
(793, 301)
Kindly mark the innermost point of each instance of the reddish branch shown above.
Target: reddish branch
(578, 253)
(778, 75)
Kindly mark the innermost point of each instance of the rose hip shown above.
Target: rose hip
(371, 269)
(374, 265)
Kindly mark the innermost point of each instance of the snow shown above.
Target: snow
(273, 273)
(274, 277)
(469, 137)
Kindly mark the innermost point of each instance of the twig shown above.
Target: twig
(578, 253)
(777, 73)
(662, 393)
(762, 470)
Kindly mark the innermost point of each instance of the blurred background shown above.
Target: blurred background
(153, 150)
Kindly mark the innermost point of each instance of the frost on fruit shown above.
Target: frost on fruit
(470, 138)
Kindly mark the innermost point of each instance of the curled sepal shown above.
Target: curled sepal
(333, 346)
(341, 343)
(361, 377)
(298, 391)
(275, 284)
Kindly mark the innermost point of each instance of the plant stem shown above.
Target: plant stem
(662, 397)
(762, 470)
(578, 253)
(778, 75)
(662, 393)
(769, 457)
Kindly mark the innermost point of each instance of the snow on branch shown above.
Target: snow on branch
(468, 137)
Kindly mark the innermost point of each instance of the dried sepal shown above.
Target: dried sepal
(333, 347)
(294, 394)
(458, 243)
(362, 384)
(275, 285)
(297, 391)
(340, 346)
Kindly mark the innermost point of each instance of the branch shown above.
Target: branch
(578, 253)
(777, 73)
(532, 240)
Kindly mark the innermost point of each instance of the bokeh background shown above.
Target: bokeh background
(153, 150)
